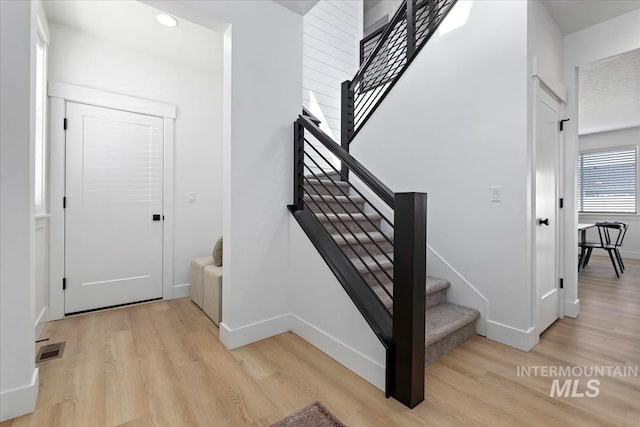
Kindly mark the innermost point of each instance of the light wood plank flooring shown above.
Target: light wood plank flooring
(161, 364)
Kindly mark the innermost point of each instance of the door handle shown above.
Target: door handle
(543, 221)
(156, 217)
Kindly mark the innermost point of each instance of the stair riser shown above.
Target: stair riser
(327, 189)
(436, 298)
(358, 248)
(441, 347)
(317, 207)
(432, 299)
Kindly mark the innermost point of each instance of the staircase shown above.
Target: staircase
(371, 252)
(379, 258)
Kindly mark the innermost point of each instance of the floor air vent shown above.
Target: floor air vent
(51, 351)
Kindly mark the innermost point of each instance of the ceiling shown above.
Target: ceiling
(134, 24)
(575, 15)
(300, 7)
(610, 91)
(572, 15)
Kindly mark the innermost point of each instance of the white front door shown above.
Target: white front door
(113, 248)
(547, 141)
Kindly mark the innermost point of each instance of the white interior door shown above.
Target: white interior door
(113, 250)
(547, 141)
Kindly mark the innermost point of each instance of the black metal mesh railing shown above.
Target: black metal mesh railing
(369, 43)
(385, 55)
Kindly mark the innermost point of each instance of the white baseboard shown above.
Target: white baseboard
(514, 337)
(461, 292)
(181, 291)
(42, 319)
(572, 308)
(357, 362)
(21, 400)
(630, 254)
(234, 338)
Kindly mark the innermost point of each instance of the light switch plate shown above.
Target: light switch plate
(191, 197)
(496, 193)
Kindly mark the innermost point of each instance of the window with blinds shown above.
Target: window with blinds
(608, 180)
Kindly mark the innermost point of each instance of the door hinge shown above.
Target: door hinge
(64, 124)
(561, 202)
(562, 124)
(561, 283)
(64, 283)
(64, 202)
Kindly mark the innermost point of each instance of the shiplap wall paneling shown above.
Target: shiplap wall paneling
(331, 33)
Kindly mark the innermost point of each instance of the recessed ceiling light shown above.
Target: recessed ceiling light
(167, 20)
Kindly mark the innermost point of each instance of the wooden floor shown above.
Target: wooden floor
(161, 364)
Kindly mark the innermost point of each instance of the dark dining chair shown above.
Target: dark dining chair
(618, 242)
(611, 236)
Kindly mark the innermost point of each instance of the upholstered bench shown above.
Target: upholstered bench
(197, 280)
(206, 283)
(212, 276)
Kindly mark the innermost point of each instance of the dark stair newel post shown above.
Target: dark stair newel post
(409, 294)
(346, 123)
(298, 165)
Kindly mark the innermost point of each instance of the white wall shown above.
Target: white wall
(18, 374)
(616, 138)
(331, 35)
(324, 315)
(383, 8)
(82, 59)
(546, 45)
(453, 126)
(265, 289)
(599, 41)
(263, 67)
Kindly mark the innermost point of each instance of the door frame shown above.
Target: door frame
(556, 92)
(59, 93)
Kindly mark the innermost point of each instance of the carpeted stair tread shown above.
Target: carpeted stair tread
(345, 217)
(360, 238)
(326, 182)
(445, 319)
(435, 284)
(326, 198)
(383, 263)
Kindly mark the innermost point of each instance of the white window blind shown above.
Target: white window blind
(607, 180)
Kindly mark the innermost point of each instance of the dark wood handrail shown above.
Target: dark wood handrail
(355, 166)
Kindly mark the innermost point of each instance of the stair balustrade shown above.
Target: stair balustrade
(379, 259)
